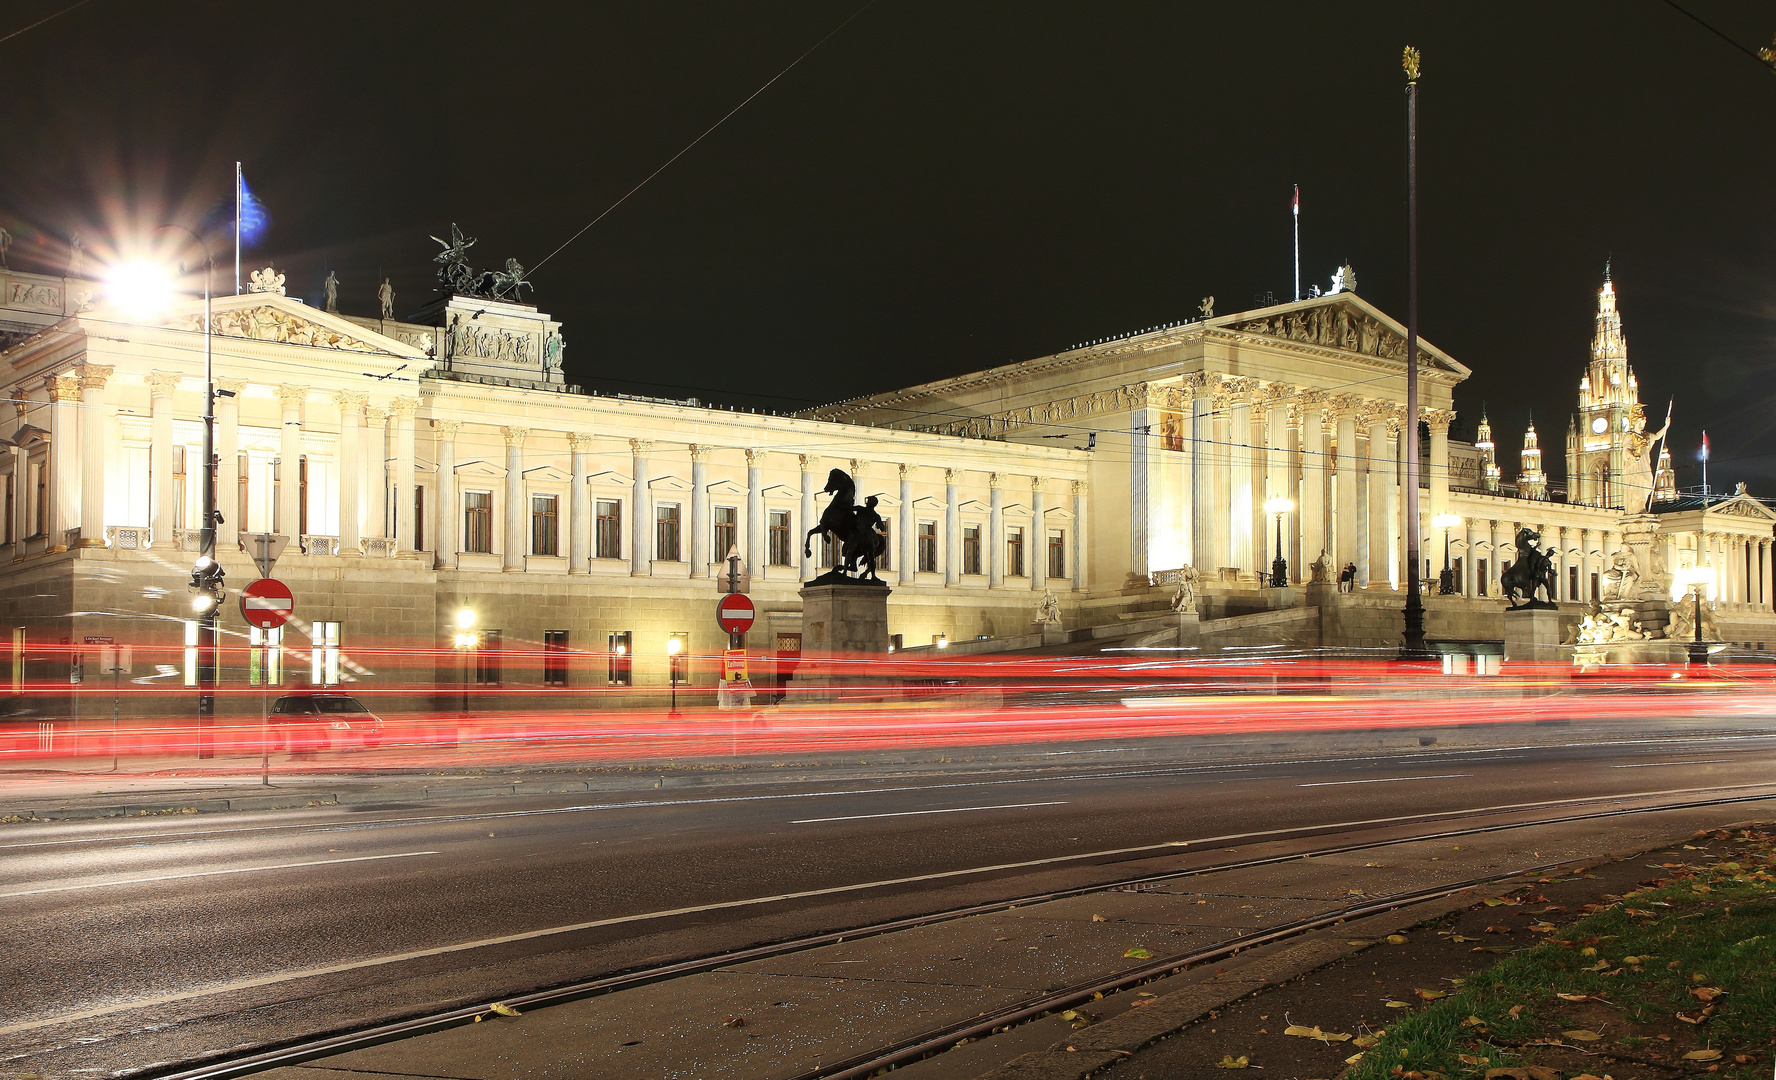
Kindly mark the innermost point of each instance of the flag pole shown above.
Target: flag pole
(1295, 212)
(237, 215)
(1705, 462)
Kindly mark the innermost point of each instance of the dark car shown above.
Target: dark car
(310, 722)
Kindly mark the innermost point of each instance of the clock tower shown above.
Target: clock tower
(1596, 444)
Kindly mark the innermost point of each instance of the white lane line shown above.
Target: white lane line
(916, 813)
(1656, 764)
(726, 905)
(209, 873)
(1386, 780)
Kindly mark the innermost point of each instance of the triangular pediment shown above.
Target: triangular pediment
(484, 469)
(725, 487)
(610, 478)
(1342, 321)
(549, 473)
(1743, 506)
(782, 491)
(271, 317)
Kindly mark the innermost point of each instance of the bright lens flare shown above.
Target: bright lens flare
(139, 288)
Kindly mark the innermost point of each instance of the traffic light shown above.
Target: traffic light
(206, 585)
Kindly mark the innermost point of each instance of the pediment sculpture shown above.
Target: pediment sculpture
(1334, 326)
(269, 323)
(266, 281)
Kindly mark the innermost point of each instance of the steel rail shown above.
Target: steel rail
(236, 1064)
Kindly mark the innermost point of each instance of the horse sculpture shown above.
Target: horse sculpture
(858, 530)
(1533, 570)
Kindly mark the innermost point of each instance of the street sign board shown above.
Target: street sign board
(267, 603)
(733, 664)
(265, 548)
(734, 613)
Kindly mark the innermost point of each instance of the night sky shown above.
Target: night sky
(942, 187)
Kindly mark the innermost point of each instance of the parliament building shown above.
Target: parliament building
(437, 464)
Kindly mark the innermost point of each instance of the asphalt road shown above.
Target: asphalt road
(132, 943)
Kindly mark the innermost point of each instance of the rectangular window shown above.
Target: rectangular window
(1057, 554)
(178, 487)
(323, 659)
(781, 542)
(40, 500)
(1572, 583)
(666, 532)
(277, 495)
(554, 657)
(190, 652)
(10, 485)
(1596, 589)
(418, 518)
(265, 660)
(928, 547)
(302, 496)
(726, 532)
(886, 562)
(543, 522)
(831, 553)
(610, 531)
(971, 549)
(622, 658)
(478, 521)
(1014, 551)
(242, 470)
(488, 658)
(1480, 576)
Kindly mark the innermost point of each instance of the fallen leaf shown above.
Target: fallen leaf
(1707, 993)
(1138, 1002)
(1314, 1033)
(1398, 1004)
(1582, 1035)
(1430, 995)
(1470, 1059)
(1364, 1041)
(1354, 1058)
(1515, 1009)
(1229, 1062)
(1548, 928)
(1482, 948)
(1458, 939)
(1587, 951)
(1473, 1021)
(1359, 943)
(734, 1022)
(1099, 918)
(1699, 1018)
(1541, 1072)
(1601, 965)
(1138, 953)
(1498, 930)
(1395, 939)
(1702, 1055)
(504, 1010)
(1573, 997)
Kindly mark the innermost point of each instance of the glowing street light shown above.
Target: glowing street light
(1696, 579)
(675, 658)
(466, 641)
(1279, 566)
(139, 288)
(1446, 581)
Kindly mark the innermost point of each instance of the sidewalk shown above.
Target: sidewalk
(781, 1016)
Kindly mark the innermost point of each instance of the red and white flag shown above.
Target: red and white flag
(1295, 208)
(1704, 445)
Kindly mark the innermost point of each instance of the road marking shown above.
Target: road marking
(1656, 764)
(1387, 779)
(209, 873)
(836, 890)
(916, 813)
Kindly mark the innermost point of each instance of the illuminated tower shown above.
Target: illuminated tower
(1665, 484)
(1596, 453)
(1489, 466)
(1532, 482)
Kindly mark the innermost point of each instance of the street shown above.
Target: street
(166, 940)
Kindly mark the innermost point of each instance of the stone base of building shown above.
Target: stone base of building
(1535, 634)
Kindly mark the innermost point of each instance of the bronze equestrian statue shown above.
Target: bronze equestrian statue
(1533, 570)
(858, 530)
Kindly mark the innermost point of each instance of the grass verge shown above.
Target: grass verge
(1676, 977)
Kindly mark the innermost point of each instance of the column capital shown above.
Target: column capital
(1314, 399)
(904, 470)
(1276, 394)
(995, 480)
(579, 440)
(377, 414)
(233, 386)
(1346, 406)
(857, 465)
(951, 476)
(699, 452)
(352, 400)
(808, 462)
(639, 447)
(63, 387)
(1438, 420)
(515, 436)
(292, 397)
(404, 406)
(1239, 389)
(755, 459)
(1081, 487)
(163, 383)
(446, 429)
(1036, 484)
(93, 376)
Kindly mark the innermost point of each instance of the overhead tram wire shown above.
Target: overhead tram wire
(40, 22)
(1768, 63)
(688, 146)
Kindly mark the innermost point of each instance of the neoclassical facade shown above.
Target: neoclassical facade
(442, 463)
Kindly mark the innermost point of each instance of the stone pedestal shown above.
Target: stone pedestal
(1189, 629)
(1640, 534)
(1535, 634)
(841, 619)
(1052, 633)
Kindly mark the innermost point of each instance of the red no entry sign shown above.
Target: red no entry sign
(267, 603)
(734, 613)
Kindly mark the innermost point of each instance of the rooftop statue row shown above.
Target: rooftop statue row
(454, 271)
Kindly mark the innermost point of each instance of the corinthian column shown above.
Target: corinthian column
(64, 447)
(996, 526)
(351, 469)
(810, 465)
(700, 525)
(1315, 469)
(228, 464)
(1037, 553)
(1244, 505)
(1439, 420)
(95, 420)
(406, 532)
(447, 523)
(161, 385)
(516, 548)
(1081, 530)
(952, 529)
(579, 506)
(376, 456)
(1205, 458)
(755, 514)
(1345, 522)
(909, 551)
(1276, 463)
(640, 549)
(1381, 481)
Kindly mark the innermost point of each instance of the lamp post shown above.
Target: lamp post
(1446, 580)
(1696, 579)
(466, 640)
(1279, 566)
(675, 645)
(1413, 644)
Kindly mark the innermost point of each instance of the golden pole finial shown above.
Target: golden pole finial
(1410, 62)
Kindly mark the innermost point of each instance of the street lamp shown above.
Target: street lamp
(1412, 645)
(1279, 566)
(466, 640)
(1446, 581)
(141, 289)
(675, 648)
(1696, 579)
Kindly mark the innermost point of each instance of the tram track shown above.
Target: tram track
(928, 1043)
